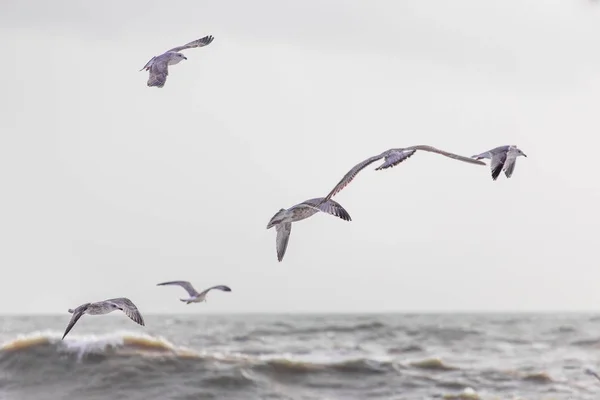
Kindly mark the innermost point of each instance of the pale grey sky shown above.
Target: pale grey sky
(109, 187)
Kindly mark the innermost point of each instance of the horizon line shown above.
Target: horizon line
(332, 312)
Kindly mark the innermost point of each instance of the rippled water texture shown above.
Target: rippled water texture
(482, 356)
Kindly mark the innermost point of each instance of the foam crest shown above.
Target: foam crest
(120, 343)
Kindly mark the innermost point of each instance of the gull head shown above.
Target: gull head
(176, 58)
(518, 151)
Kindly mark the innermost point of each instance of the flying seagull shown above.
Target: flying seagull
(159, 65)
(282, 220)
(392, 158)
(195, 297)
(593, 373)
(105, 307)
(503, 158)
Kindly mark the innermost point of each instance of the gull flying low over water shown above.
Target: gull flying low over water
(159, 65)
(195, 297)
(392, 158)
(105, 307)
(282, 220)
(503, 158)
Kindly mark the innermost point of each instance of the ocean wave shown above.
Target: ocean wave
(119, 343)
(26, 351)
(467, 394)
(411, 348)
(23, 351)
(537, 377)
(328, 329)
(586, 342)
(432, 364)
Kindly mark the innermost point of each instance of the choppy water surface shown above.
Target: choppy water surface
(345, 357)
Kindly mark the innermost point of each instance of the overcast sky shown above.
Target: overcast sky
(109, 187)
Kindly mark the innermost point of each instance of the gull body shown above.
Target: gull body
(105, 307)
(282, 220)
(393, 157)
(195, 297)
(159, 65)
(503, 158)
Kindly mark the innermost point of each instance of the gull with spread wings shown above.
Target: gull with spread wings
(392, 158)
(195, 297)
(503, 158)
(105, 307)
(159, 65)
(282, 220)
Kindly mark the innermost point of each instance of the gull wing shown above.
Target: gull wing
(509, 165)
(497, 164)
(205, 41)
(218, 287)
(77, 313)
(350, 175)
(454, 156)
(328, 206)
(184, 284)
(128, 308)
(283, 237)
(159, 71)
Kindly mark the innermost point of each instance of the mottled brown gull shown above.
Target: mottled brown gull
(105, 307)
(282, 220)
(159, 65)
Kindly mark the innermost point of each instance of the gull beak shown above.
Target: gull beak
(524, 154)
(184, 57)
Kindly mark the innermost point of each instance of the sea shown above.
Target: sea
(301, 357)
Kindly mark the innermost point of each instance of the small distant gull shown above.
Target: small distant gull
(503, 158)
(392, 158)
(593, 373)
(282, 220)
(105, 307)
(195, 297)
(159, 65)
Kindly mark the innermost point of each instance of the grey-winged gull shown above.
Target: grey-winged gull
(591, 372)
(502, 158)
(282, 220)
(159, 65)
(105, 307)
(195, 297)
(392, 158)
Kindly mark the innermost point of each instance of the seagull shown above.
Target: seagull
(282, 220)
(195, 297)
(503, 158)
(593, 373)
(105, 307)
(392, 158)
(159, 65)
